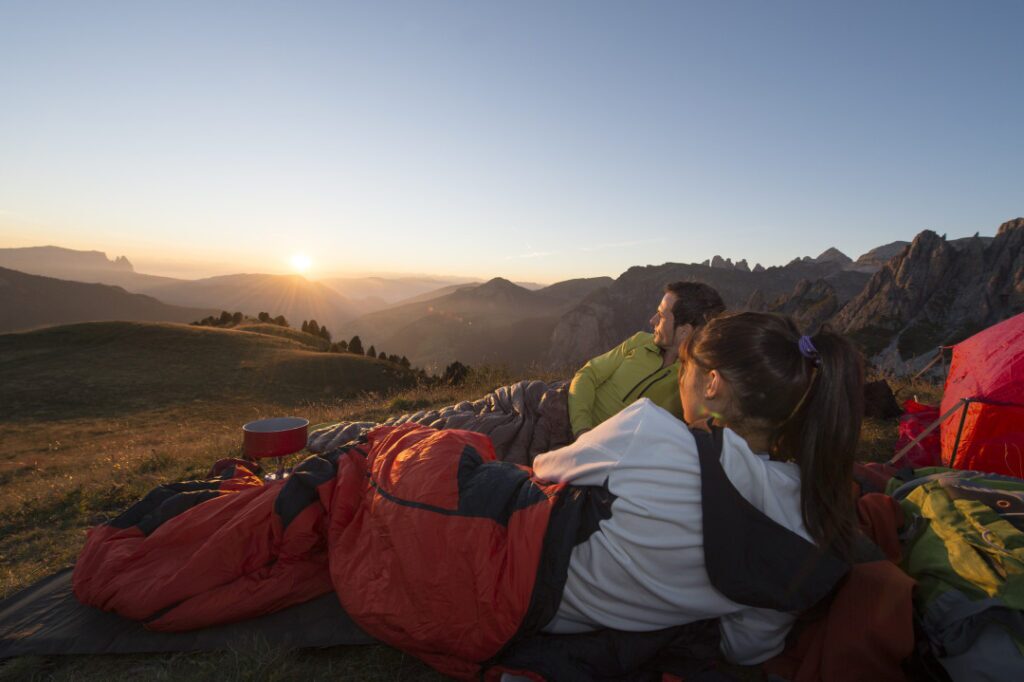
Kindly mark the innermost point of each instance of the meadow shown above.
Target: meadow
(96, 415)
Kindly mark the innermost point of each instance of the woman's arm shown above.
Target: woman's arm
(589, 460)
(582, 463)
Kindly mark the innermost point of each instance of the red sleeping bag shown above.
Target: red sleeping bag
(431, 544)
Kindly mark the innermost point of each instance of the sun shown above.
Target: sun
(301, 263)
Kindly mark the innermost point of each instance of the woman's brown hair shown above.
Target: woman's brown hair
(810, 400)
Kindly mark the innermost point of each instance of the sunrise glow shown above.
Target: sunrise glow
(301, 263)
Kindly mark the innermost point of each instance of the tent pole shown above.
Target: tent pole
(959, 431)
(931, 427)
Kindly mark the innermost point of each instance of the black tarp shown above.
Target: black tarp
(46, 619)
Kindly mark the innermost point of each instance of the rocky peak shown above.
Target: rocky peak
(742, 265)
(758, 268)
(722, 263)
(1009, 226)
(497, 290)
(833, 255)
(122, 263)
(933, 293)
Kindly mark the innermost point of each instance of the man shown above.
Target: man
(644, 365)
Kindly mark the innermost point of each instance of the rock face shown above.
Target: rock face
(875, 259)
(810, 304)
(936, 293)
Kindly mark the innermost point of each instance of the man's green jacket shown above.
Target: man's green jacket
(623, 375)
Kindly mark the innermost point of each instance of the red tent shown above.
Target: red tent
(987, 373)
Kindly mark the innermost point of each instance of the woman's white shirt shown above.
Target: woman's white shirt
(644, 568)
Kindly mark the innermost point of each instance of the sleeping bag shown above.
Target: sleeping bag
(485, 546)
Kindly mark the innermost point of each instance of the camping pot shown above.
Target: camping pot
(275, 437)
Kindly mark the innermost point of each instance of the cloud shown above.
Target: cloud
(621, 245)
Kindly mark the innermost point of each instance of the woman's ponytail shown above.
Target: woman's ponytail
(822, 437)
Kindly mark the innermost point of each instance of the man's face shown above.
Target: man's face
(665, 324)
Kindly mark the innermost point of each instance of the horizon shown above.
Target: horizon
(440, 277)
(537, 143)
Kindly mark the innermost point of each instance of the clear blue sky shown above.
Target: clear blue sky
(533, 140)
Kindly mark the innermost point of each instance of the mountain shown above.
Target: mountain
(937, 292)
(293, 296)
(573, 290)
(496, 322)
(30, 301)
(614, 312)
(435, 293)
(80, 266)
(101, 369)
(876, 258)
(390, 290)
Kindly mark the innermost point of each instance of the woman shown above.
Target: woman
(790, 406)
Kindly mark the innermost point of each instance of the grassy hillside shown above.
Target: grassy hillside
(106, 368)
(297, 335)
(95, 415)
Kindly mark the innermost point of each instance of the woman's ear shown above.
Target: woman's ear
(714, 385)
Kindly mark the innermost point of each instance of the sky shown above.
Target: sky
(532, 140)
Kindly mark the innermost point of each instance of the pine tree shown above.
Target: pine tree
(372, 352)
(281, 321)
(305, 326)
(404, 362)
(342, 346)
(355, 345)
(325, 335)
(237, 318)
(382, 356)
(264, 317)
(314, 328)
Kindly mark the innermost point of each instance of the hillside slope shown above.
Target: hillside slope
(105, 368)
(31, 301)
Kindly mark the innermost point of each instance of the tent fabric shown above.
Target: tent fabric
(915, 419)
(46, 619)
(988, 371)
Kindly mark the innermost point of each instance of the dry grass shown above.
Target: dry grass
(78, 461)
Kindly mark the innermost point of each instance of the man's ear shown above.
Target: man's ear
(682, 333)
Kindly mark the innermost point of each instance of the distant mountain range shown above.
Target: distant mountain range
(330, 302)
(899, 301)
(494, 322)
(31, 301)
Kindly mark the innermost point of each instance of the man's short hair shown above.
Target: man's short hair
(696, 302)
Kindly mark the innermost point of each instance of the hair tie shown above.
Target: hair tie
(808, 350)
